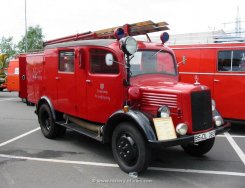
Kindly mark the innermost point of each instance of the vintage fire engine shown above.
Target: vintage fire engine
(110, 87)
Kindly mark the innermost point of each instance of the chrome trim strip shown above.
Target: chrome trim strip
(213, 74)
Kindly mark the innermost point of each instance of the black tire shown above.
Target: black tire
(129, 148)
(49, 128)
(23, 100)
(1, 89)
(200, 148)
(28, 103)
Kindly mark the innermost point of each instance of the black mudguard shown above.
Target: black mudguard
(140, 120)
(46, 100)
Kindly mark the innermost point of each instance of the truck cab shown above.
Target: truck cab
(124, 92)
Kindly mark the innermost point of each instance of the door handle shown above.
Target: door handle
(88, 81)
(216, 80)
(57, 78)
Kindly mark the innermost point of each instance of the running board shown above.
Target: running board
(80, 129)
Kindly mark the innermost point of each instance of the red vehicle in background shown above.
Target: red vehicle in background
(22, 78)
(13, 75)
(222, 68)
(112, 88)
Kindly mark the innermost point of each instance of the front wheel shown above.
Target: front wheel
(129, 148)
(200, 148)
(49, 128)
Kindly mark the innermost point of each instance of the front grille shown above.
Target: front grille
(152, 101)
(201, 110)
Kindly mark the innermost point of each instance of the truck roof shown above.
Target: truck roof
(96, 42)
(209, 46)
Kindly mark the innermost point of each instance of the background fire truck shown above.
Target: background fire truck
(112, 88)
(222, 68)
(13, 75)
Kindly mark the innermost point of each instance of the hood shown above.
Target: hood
(164, 84)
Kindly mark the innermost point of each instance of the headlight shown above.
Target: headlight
(181, 128)
(218, 120)
(163, 111)
(129, 45)
(213, 105)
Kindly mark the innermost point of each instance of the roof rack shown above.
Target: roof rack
(139, 28)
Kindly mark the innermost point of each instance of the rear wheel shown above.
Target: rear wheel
(47, 124)
(130, 149)
(28, 103)
(200, 148)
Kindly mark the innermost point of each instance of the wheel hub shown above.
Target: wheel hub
(126, 148)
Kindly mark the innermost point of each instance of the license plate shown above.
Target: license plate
(204, 136)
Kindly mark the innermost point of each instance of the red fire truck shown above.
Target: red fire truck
(222, 68)
(112, 88)
(13, 75)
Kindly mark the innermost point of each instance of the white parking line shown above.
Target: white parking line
(18, 137)
(59, 161)
(116, 166)
(198, 171)
(233, 136)
(235, 147)
(2, 100)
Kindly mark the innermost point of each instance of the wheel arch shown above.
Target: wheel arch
(46, 100)
(140, 121)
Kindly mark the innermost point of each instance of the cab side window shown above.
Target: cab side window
(232, 61)
(98, 64)
(66, 61)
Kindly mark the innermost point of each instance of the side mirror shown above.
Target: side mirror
(183, 60)
(109, 59)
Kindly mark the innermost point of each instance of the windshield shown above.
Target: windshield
(152, 62)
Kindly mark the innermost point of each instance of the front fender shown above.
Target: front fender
(140, 120)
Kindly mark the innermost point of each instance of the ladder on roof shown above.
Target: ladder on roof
(139, 28)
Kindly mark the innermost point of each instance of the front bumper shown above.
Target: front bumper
(185, 139)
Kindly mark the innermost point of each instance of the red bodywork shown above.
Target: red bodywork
(95, 97)
(202, 62)
(13, 75)
(22, 77)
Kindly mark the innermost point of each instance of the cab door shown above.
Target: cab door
(66, 85)
(229, 82)
(81, 75)
(104, 86)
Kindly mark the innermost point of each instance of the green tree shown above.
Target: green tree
(34, 40)
(7, 47)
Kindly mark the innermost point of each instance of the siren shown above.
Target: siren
(119, 33)
(164, 37)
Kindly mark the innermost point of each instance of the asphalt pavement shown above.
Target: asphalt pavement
(28, 159)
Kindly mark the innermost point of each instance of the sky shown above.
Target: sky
(59, 18)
